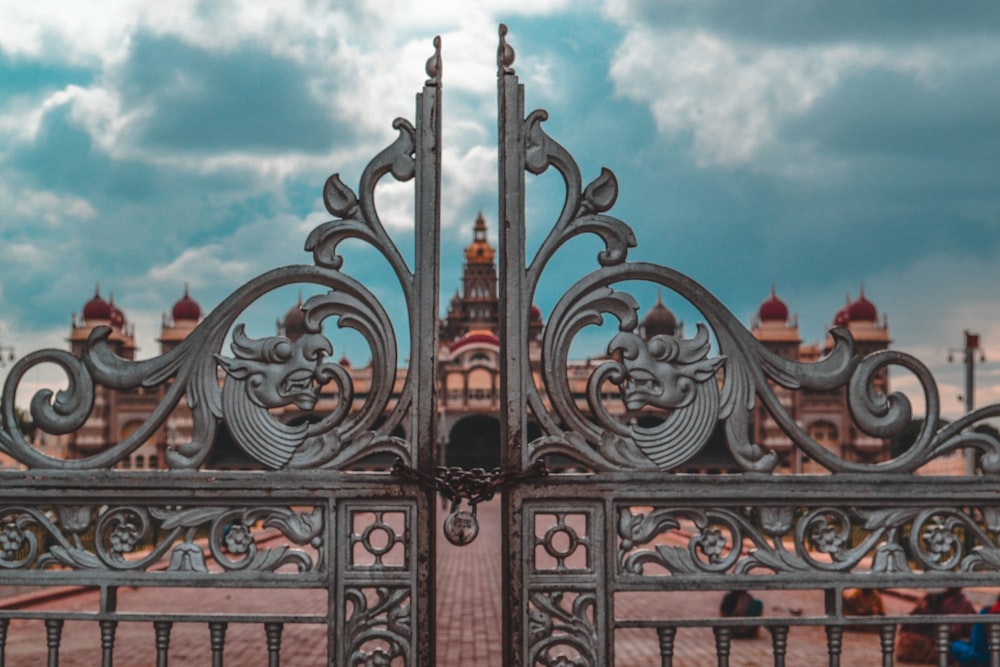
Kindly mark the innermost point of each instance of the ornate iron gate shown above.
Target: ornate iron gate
(613, 517)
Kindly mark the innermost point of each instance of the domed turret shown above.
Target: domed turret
(773, 310)
(480, 251)
(116, 316)
(862, 310)
(294, 322)
(186, 309)
(97, 308)
(843, 316)
(659, 321)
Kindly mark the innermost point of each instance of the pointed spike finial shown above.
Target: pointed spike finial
(505, 53)
(434, 64)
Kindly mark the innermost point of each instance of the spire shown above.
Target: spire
(480, 251)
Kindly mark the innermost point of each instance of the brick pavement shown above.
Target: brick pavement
(468, 622)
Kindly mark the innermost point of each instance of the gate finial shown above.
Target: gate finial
(434, 64)
(505, 53)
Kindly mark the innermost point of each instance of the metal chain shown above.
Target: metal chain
(475, 485)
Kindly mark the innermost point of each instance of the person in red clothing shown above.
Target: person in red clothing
(915, 642)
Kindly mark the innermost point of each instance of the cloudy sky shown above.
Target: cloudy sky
(817, 146)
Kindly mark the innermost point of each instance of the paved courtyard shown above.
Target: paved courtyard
(469, 622)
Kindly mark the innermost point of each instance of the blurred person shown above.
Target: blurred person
(740, 603)
(915, 642)
(863, 602)
(975, 651)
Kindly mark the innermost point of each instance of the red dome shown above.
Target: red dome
(117, 317)
(478, 336)
(862, 310)
(186, 309)
(294, 322)
(773, 310)
(841, 318)
(659, 321)
(97, 308)
(536, 312)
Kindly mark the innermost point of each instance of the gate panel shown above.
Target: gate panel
(320, 512)
(617, 515)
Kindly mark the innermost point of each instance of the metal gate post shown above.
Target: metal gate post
(424, 337)
(513, 337)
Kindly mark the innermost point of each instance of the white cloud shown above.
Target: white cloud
(732, 98)
(23, 204)
(200, 266)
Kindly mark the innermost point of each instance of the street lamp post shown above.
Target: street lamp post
(970, 351)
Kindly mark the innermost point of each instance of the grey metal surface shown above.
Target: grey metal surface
(620, 518)
(317, 517)
(614, 517)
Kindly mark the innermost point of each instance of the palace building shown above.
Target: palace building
(469, 379)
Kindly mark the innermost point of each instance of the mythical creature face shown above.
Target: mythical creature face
(664, 371)
(278, 371)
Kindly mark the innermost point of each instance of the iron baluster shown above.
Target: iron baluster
(723, 640)
(666, 635)
(779, 642)
(217, 633)
(162, 632)
(834, 643)
(108, 642)
(273, 632)
(887, 634)
(53, 637)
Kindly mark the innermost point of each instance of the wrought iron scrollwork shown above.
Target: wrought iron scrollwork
(378, 627)
(696, 389)
(561, 629)
(155, 538)
(263, 374)
(729, 541)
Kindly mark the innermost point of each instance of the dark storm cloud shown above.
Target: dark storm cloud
(245, 100)
(806, 21)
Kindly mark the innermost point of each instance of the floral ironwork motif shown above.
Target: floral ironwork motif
(735, 541)
(136, 537)
(561, 629)
(378, 626)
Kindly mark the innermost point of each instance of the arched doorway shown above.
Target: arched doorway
(474, 442)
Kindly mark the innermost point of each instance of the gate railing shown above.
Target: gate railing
(351, 550)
